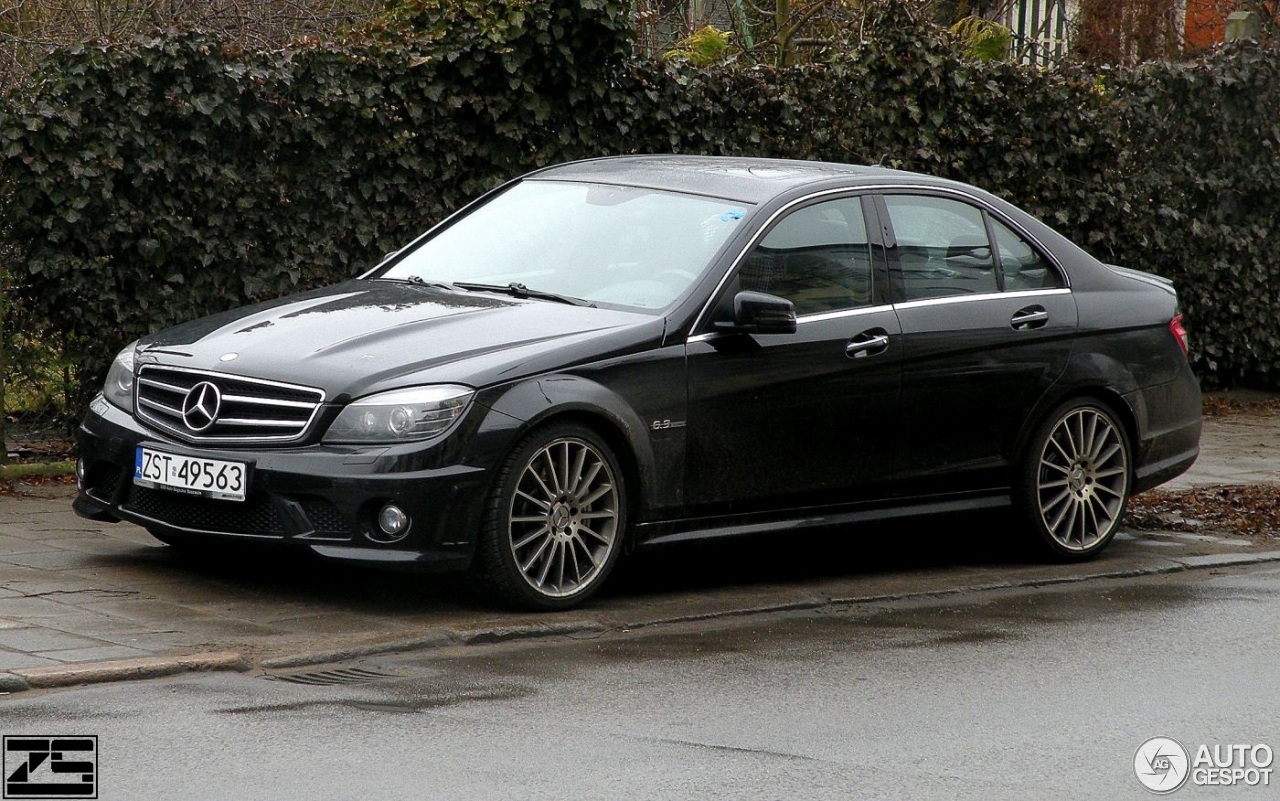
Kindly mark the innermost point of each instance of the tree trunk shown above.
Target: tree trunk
(4, 370)
(783, 35)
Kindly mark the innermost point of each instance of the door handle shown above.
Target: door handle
(1028, 318)
(868, 343)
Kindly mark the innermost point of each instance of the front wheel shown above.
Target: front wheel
(1074, 481)
(555, 522)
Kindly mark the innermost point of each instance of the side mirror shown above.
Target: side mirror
(758, 313)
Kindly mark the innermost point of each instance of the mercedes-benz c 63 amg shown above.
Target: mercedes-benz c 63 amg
(609, 354)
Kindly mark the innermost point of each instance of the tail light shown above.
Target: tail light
(1179, 332)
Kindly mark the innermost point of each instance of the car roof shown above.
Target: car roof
(750, 180)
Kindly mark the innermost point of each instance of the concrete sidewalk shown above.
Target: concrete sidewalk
(83, 601)
(1236, 448)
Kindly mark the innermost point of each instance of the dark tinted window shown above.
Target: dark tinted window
(1022, 264)
(816, 257)
(942, 247)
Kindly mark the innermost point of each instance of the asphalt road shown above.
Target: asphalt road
(1033, 692)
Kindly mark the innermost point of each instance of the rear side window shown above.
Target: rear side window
(943, 248)
(1021, 264)
(817, 257)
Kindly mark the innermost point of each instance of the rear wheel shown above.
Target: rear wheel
(556, 519)
(1075, 479)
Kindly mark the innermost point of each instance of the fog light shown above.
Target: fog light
(81, 472)
(393, 522)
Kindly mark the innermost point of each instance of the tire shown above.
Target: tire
(555, 521)
(1075, 479)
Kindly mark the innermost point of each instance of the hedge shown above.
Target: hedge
(148, 182)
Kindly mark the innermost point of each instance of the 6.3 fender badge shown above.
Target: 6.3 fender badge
(663, 425)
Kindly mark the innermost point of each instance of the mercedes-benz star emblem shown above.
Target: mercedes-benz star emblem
(200, 407)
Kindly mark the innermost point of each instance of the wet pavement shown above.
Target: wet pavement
(1024, 693)
(1236, 448)
(83, 601)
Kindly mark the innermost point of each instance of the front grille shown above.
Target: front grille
(256, 515)
(224, 409)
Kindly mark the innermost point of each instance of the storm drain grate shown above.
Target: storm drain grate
(333, 678)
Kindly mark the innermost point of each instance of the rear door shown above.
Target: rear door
(792, 420)
(985, 328)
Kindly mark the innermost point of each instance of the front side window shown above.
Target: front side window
(943, 248)
(817, 257)
(616, 245)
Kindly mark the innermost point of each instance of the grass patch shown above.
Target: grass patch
(19, 472)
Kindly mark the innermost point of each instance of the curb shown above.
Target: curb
(155, 667)
(120, 670)
(442, 639)
(12, 683)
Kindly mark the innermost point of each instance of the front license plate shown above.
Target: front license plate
(208, 478)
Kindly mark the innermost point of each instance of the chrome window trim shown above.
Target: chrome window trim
(817, 317)
(858, 191)
(950, 299)
(821, 317)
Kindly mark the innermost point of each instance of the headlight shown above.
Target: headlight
(402, 415)
(119, 385)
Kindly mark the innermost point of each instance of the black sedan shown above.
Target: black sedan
(620, 352)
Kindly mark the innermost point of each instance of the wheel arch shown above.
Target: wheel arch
(546, 401)
(615, 437)
(1110, 397)
(1068, 497)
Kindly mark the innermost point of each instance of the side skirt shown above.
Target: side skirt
(667, 532)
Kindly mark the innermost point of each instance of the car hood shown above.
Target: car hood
(365, 336)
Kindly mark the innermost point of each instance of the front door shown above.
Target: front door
(795, 420)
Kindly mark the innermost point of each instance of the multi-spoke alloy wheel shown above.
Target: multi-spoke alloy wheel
(1076, 484)
(557, 520)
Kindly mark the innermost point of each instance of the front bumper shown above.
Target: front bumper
(324, 499)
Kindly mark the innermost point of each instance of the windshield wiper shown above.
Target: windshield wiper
(518, 290)
(514, 289)
(418, 280)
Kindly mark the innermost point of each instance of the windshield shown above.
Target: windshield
(608, 244)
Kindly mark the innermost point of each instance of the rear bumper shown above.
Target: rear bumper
(321, 499)
(1170, 419)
